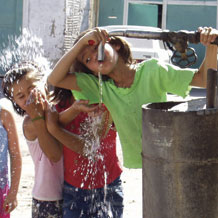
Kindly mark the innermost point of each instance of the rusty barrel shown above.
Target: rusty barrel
(180, 162)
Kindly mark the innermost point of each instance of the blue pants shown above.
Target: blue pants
(96, 203)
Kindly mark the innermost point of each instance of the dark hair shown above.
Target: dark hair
(59, 96)
(15, 74)
(124, 52)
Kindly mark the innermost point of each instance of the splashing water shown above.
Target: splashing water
(24, 48)
(100, 88)
(101, 57)
(91, 136)
(30, 99)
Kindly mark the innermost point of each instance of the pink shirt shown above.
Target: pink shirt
(49, 176)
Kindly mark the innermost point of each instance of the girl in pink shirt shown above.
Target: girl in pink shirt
(20, 86)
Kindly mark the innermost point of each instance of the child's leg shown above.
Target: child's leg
(93, 203)
(115, 198)
(82, 203)
(3, 194)
(72, 206)
(45, 209)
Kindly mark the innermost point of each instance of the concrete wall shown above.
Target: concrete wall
(46, 19)
(77, 15)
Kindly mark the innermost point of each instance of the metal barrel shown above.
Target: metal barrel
(211, 88)
(180, 162)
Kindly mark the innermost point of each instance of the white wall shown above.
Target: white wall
(46, 19)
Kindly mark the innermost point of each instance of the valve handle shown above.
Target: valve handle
(184, 59)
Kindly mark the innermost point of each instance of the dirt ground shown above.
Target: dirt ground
(132, 184)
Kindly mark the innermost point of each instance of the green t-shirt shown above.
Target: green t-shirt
(153, 80)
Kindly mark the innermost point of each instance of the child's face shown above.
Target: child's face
(21, 90)
(89, 57)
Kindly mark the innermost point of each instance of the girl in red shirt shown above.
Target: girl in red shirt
(92, 186)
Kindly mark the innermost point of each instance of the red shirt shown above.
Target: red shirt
(87, 173)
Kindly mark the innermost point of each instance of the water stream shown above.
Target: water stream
(100, 88)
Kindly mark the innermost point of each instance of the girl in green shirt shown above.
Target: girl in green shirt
(127, 86)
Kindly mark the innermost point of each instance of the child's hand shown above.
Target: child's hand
(95, 36)
(208, 35)
(83, 106)
(10, 203)
(36, 103)
(51, 117)
(99, 110)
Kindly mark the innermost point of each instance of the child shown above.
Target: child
(9, 142)
(19, 86)
(128, 86)
(92, 186)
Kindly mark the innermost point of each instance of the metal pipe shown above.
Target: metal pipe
(211, 88)
(160, 35)
(164, 35)
(101, 52)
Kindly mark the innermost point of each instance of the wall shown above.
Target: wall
(46, 19)
(77, 20)
(57, 22)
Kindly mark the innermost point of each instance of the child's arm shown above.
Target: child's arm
(60, 76)
(72, 141)
(35, 127)
(207, 36)
(15, 160)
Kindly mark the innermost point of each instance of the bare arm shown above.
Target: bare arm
(15, 159)
(37, 128)
(210, 61)
(70, 140)
(49, 145)
(60, 76)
